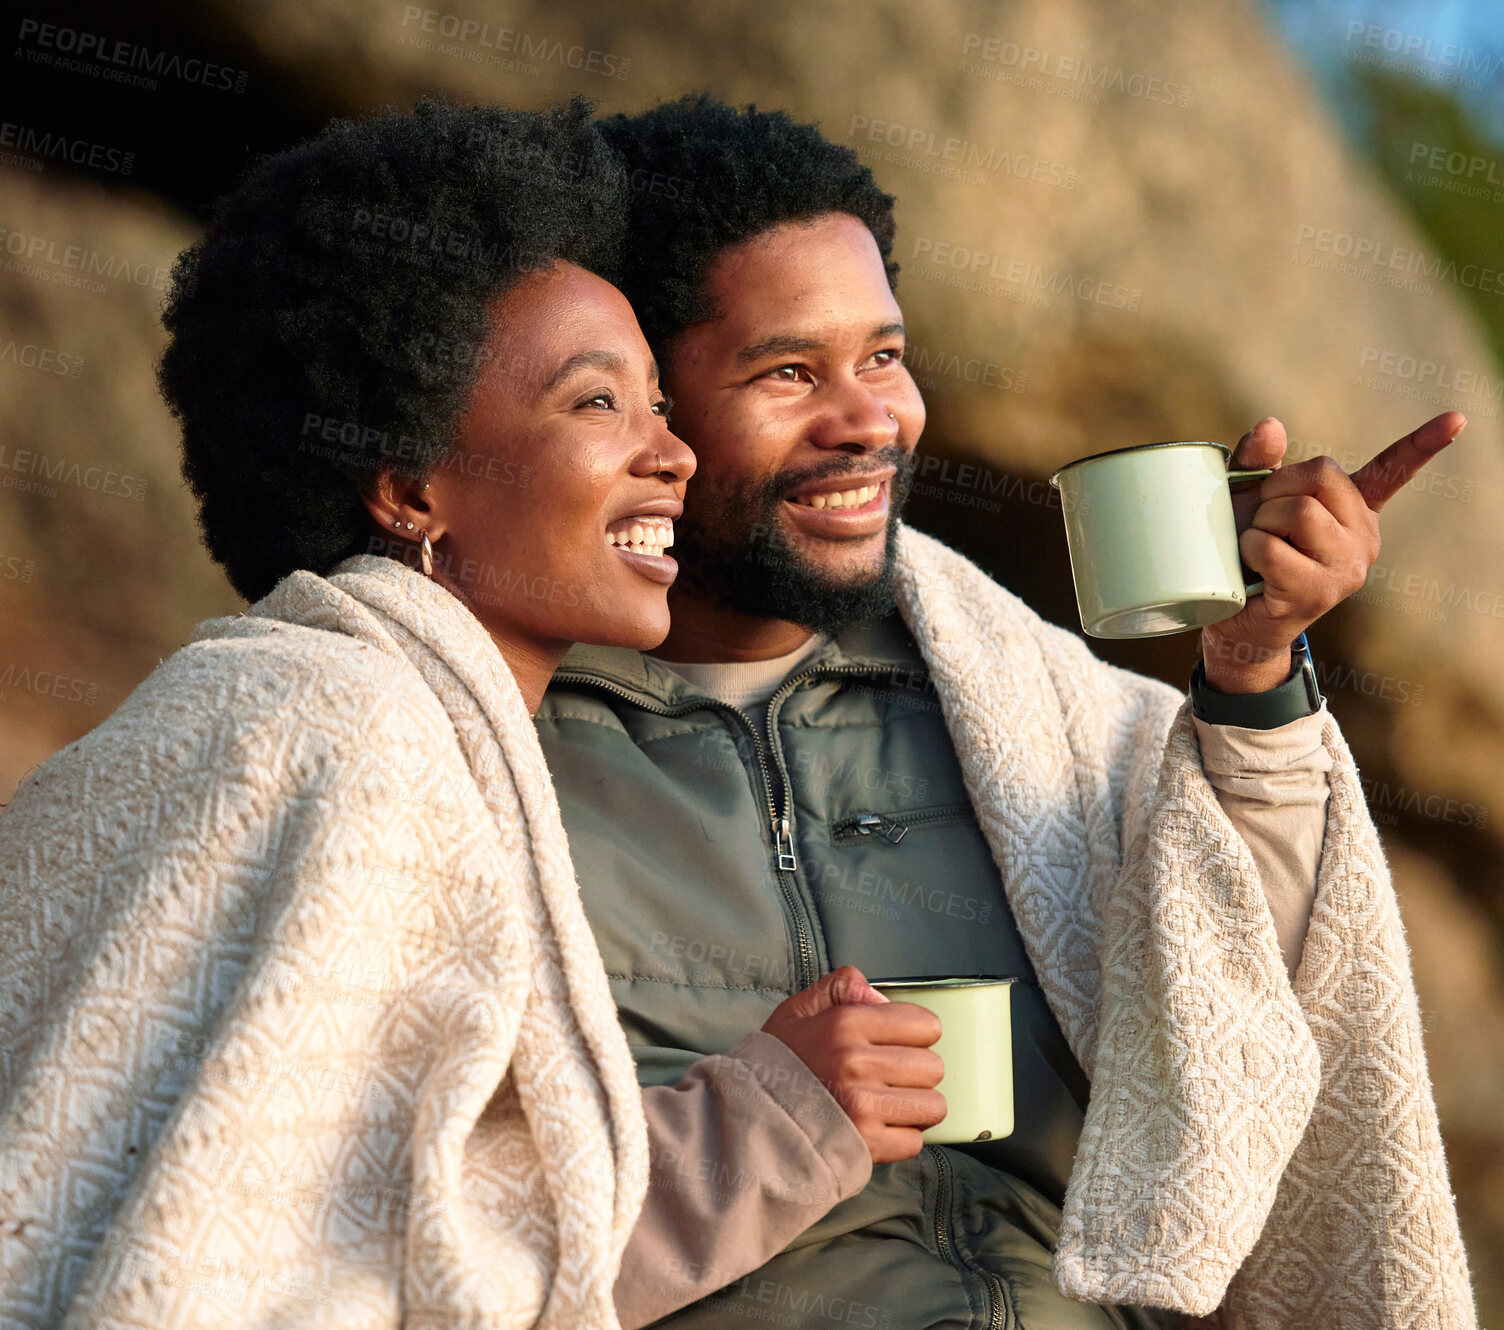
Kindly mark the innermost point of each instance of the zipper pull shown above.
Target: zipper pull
(865, 824)
(782, 837)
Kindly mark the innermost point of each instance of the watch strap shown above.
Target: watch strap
(1299, 696)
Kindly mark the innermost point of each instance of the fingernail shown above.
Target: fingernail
(1460, 428)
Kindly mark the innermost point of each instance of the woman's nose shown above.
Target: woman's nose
(664, 453)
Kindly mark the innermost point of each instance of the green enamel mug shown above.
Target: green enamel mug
(976, 1044)
(1153, 544)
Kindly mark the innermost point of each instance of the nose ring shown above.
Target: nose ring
(891, 416)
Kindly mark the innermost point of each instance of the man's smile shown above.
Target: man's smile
(843, 507)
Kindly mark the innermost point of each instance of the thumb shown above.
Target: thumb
(849, 987)
(1263, 445)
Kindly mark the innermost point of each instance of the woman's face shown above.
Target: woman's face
(552, 518)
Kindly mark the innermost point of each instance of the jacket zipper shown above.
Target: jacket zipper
(780, 820)
(998, 1312)
(807, 968)
(890, 828)
(776, 744)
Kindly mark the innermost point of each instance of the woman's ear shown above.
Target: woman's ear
(400, 505)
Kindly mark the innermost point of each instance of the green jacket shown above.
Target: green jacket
(724, 866)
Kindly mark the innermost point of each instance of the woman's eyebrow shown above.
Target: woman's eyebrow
(606, 360)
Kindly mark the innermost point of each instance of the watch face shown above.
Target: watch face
(1307, 668)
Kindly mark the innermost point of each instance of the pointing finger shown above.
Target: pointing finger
(1382, 477)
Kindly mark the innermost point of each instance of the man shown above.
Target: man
(855, 750)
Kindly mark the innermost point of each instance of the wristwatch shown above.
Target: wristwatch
(1297, 697)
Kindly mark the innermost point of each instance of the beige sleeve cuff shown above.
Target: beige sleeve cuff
(747, 1151)
(1273, 787)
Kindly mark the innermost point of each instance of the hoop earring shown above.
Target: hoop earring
(425, 550)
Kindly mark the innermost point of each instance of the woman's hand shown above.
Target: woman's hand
(872, 1055)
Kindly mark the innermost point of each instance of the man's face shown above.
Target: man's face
(803, 420)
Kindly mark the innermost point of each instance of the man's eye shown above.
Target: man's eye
(890, 357)
(599, 401)
(786, 373)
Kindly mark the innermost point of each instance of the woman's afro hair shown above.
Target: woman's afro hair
(331, 322)
(705, 176)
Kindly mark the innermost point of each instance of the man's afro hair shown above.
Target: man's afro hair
(706, 176)
(332, 320)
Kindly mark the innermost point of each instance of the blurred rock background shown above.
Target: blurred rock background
(1119, 222)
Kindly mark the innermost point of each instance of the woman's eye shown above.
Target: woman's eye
(664, 407)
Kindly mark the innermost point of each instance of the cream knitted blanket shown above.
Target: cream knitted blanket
(1273, 1144)
(301, 1023)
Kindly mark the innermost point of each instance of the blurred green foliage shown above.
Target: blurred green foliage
(1461, 209)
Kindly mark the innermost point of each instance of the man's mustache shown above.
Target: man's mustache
(901, 459)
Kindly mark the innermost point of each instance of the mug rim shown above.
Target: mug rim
(945, 981)
(1141, 448)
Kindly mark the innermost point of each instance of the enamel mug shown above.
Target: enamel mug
(1153, 546)
(976, 1044)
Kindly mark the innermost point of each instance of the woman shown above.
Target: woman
(300, 1020)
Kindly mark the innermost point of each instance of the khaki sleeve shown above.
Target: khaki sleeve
(1272, 784)
(747, 1151)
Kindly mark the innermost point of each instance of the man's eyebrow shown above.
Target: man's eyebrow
(785, 344)
(792, 344)
(606, 360)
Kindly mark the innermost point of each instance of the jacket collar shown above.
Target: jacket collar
(879, 645)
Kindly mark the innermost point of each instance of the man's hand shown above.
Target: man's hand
(871, 1054)
(1311, 532)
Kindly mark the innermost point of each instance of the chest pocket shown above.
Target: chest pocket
(891, 855)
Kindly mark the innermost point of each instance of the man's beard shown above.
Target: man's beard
(739, 557)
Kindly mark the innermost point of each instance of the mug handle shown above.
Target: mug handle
(1250, 588)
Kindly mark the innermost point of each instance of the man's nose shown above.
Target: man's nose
(855, 418)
